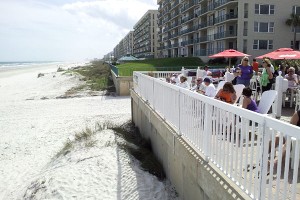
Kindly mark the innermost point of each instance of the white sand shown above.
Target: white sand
(33, 131)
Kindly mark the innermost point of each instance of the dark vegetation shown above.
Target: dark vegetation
(143, 153)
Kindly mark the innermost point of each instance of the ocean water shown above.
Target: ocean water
(7, 65)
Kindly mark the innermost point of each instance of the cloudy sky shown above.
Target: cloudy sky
(65, 30)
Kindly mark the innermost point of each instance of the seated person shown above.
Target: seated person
(236, 73)
(295, 120)
(248, 103)
(174, 79)
(199, 86)
(292, 77)
(210, 89)
(183, 83)
(227, 93)
(168, 80)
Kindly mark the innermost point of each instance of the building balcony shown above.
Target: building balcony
(186, 19)
(225, 34)
(187, 42)
(188, 30)
(174, 4)
(187, 7)
(226, 17)
(222, 2)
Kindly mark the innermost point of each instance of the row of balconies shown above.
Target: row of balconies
(200, 12)
(142, 45)
(207, 38)
(216, 20)
(142, 34)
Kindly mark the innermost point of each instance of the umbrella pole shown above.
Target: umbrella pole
(229, 62)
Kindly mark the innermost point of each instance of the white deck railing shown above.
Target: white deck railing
(234, 139)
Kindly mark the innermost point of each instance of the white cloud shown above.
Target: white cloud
(65, 30)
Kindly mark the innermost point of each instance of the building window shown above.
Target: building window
(262, 44)
(264, 27)
(245, 31)
(296, 10)
(264, 9)
(246, 10)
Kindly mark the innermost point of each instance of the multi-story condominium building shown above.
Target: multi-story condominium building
(119, 50)
(108, 57)
(205, 27)
(128, 43)
(145, 42)
(125, 46)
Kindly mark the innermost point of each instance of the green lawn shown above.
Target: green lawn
(161, 64)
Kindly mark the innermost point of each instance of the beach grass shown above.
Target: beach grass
(133, 143)
(97, 76)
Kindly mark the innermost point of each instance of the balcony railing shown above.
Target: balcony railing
(225, 17)
(224, 34)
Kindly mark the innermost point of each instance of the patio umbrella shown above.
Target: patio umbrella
(282, 53)
(229, 53)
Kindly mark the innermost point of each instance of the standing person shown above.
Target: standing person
(206, 69)
(266, 76)
(255, 65)
(246, 72)
(227, 93)
(249, 103)
(210, 89)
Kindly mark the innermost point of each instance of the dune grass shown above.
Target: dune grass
(132, 143)
(97, 76)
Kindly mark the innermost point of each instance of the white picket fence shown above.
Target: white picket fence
(235, 140)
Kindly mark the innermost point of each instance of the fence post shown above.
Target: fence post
(281, 85)
(207, 131)
(179, 113)
(198, 73)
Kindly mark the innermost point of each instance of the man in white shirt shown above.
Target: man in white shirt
(199, 86)
(210, 89)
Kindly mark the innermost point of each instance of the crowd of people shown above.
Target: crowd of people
(243, 73)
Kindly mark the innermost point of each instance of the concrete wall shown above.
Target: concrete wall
(192, 176)
(123, 84)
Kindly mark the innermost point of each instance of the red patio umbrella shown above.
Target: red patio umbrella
(282, 53)
(229, 53)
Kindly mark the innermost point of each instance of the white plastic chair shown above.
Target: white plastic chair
(229, 76)
(238, 91)
(254, 87)
(266, 101)
(297, 106)
(189, 80)
(220, 85)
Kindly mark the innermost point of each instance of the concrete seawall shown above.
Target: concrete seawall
(122, 84)
(192, 176)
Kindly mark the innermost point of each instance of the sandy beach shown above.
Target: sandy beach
(35, 125)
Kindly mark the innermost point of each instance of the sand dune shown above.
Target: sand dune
(35, 125)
